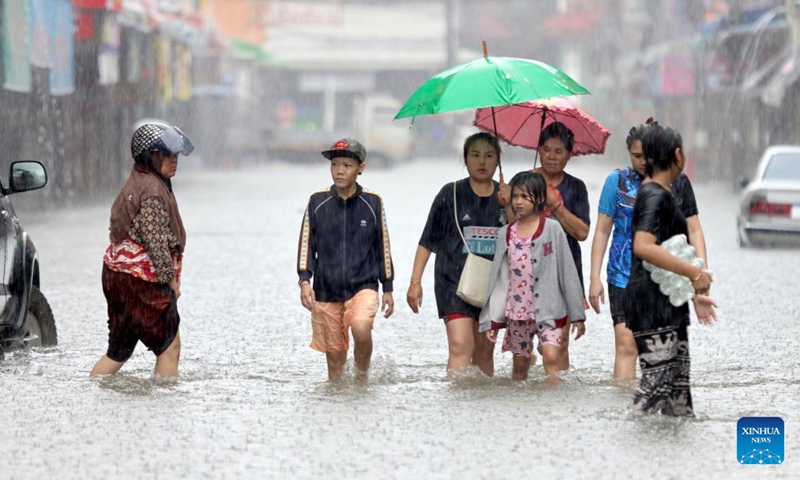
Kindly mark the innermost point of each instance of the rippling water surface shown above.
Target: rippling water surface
(252, 400)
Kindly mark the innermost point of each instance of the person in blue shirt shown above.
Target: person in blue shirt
(616, 210)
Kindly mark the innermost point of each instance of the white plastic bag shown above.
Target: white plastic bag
(678, 288)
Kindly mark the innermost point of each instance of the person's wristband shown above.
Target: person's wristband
(303, 282)
(697, 277)
(416, 282)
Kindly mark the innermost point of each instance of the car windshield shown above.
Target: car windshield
(783, 166)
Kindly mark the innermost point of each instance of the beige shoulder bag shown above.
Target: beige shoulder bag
(473, 285)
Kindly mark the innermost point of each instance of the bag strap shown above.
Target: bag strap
(455, 216)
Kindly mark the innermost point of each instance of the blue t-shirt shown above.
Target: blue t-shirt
(616, 201)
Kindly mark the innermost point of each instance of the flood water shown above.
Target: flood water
(252, 400)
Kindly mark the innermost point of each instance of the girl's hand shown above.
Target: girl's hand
(596, 295)
(704, 308)
(578, 328)
(414, 297)
(702, 283)
(492, 336)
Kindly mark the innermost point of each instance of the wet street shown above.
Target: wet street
(253, 401)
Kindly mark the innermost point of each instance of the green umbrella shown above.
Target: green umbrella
(489, 82)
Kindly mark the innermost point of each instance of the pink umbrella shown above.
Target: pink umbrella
(521, 124)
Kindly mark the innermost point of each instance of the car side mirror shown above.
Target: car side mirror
(743, 182)
(27, 175)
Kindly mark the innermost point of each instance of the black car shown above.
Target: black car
(25, 315)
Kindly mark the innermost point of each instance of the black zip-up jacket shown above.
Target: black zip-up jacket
(344, 245)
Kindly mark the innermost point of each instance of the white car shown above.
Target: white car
(769, 210)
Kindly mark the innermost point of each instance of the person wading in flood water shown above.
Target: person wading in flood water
(659, 327)
(534, 287)
(142, 266)
(567, 202)
(616, 210)
(344, 249)
(480, 215)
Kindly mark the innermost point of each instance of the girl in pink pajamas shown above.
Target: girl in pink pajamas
(534, 287)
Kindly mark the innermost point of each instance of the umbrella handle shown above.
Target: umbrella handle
(500, 198)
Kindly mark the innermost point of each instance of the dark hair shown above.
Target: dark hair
(659, 145)
(482, 137)
(560, 131)
(533, 187)
(637, 132)
(146, 157)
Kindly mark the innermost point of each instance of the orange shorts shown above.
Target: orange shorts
(330, 322)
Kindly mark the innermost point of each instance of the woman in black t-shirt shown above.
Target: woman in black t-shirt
(660, 328)
(480, 216)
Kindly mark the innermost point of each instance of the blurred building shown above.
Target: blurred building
(337, 57)
(240, 74)
(78, 74)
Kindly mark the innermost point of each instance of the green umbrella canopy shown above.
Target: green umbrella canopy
(489, 82)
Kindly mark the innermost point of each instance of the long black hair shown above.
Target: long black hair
(659, 145)
(533, 187)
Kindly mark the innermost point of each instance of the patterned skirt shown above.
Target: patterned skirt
(664, 360)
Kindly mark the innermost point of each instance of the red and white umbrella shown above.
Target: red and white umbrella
(522, 123)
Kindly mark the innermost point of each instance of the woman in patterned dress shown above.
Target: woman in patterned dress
(142, 265)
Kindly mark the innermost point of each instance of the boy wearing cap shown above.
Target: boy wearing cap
(344, 249)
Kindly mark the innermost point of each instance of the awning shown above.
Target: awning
(137, 14)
